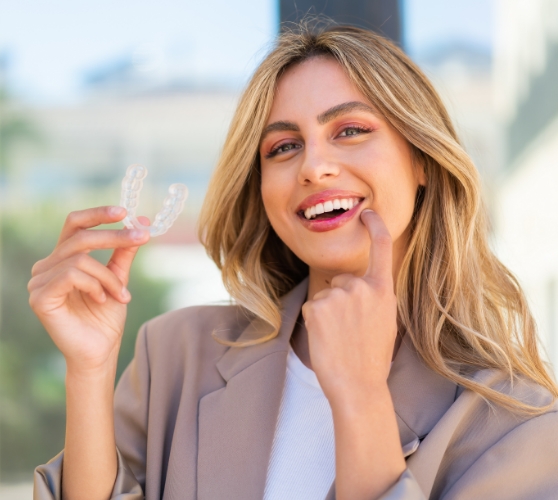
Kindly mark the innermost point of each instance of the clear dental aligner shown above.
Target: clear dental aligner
(172, 205)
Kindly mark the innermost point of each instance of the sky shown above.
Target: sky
(431, 22)
(52, 45)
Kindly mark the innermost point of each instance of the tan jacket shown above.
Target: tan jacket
(196, 419)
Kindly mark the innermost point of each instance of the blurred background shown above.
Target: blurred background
(87, 88)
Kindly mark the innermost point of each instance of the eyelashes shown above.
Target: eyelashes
(350, 131)
(282, 148)
(355, 128)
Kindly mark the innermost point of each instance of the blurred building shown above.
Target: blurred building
(176, 129)
(527, 96)
(462, 74)
(379, 15)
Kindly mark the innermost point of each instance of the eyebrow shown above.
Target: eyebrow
(280, 126)
(322, 118)
(342, 109)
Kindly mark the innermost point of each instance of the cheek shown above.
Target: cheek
(401, 198)
(267, 192)
(396, 190)
(275, 195)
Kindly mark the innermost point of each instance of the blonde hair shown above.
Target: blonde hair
(456, 301)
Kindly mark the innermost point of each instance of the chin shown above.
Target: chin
(339, 264)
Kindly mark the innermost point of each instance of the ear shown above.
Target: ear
(421, 174)
(419, 166)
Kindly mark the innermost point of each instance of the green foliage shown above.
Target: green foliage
(15, 128)
(32, 393)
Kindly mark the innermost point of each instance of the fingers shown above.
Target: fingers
(91, 217)
(86, 264)
(381, 248)
(70, 267)
(61, 285)
(84, 241)
(122, 258)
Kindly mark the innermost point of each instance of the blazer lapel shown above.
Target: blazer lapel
(420, 398)
(237, 423)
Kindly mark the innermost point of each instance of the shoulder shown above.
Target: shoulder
(196, 320)
(523, 390)
(496, 421)
(190, 331)
(493, 443)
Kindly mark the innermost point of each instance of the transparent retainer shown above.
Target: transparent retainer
(172, 205)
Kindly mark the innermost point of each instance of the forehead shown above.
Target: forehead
(311, 87)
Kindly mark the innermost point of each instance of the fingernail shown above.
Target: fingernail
(137, 234)
(116, 211)
(125, 293)
(103, 297)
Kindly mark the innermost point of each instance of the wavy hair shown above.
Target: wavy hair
(457, 302)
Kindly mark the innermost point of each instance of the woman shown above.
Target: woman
(347, 222)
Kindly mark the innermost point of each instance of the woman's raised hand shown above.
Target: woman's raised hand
(352, 326)
(81, 302)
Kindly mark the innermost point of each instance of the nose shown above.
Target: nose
(317, 165)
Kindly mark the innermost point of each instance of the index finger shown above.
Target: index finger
(381, 248)
(88, 218)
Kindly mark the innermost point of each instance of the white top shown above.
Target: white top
(302, 462)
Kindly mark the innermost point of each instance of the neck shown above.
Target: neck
(319, 280)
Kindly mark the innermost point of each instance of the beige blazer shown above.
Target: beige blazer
(196, 419)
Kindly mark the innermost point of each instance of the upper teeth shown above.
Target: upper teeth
(330, 206)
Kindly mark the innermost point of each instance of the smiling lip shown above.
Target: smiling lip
(328, 195)
(322, 225)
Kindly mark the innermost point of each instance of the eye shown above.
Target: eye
(354, 130)
(282, 148)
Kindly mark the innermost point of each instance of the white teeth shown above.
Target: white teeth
(329, 206)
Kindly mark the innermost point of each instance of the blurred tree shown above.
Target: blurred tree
(13, 129)
(32, 394)
(32, 371)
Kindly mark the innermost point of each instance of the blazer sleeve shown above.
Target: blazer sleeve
(406, 488)
(522, 464)
(48, 481)
(130, 408)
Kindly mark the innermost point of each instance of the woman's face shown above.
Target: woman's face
(326, 155)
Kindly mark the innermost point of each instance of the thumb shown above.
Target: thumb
(121, 260)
